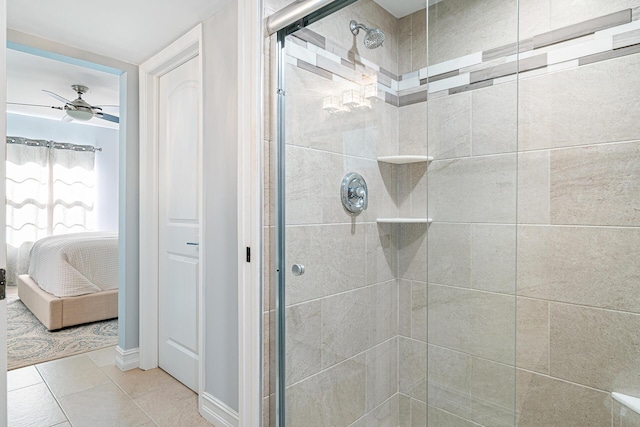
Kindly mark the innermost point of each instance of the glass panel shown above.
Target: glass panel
(342, 311)
(472, 194)
(402, 314)
(578, 235)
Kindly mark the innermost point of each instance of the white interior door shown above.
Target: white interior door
(179, 227)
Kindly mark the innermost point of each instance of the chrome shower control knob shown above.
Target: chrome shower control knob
(354, 193)
(297, 269)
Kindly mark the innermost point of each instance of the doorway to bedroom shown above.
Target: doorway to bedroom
(62, 209)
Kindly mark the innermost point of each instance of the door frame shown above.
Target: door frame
(3, 256)
(182, 50)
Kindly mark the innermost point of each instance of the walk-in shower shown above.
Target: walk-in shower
(478, 264)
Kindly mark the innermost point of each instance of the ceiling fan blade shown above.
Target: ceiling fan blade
(108, 117)
(56, 96)
(34, 105)
(67, 118)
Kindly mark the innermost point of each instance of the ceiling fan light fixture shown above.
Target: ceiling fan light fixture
(80, 114)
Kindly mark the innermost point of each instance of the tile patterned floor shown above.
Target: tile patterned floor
(88, 390)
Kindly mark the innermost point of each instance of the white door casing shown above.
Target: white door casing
(179, 217)
(3, 250)
(178, 53)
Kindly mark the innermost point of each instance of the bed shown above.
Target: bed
(73, 279)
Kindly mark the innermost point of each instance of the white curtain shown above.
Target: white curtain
(49, 191)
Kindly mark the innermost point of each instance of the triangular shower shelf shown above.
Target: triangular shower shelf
(403, 160)
(404, 220)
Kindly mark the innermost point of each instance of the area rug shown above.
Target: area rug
(29, 342)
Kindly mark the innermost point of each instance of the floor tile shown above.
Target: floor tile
(167, 412)
(64, 424)
(33, 406)
(71, 375)
(137, 382)
(103, 406)
(103, 357)
(23, 377)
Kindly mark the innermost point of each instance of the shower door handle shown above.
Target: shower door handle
(297, 269)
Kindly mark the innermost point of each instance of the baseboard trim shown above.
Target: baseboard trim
(127, 359)
(217, 413)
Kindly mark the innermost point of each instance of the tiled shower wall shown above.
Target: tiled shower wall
(576, 173)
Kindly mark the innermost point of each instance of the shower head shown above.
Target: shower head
(373, 38)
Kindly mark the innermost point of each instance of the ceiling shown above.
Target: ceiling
(128, 30)
(28, 74)
(402, 8)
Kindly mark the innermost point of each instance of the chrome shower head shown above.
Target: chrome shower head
(372, 39)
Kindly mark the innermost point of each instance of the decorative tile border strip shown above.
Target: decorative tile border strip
(600, 39)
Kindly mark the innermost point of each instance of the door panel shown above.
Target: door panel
(179, 199)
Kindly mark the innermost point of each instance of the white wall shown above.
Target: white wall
(220, 150)
(106, 189)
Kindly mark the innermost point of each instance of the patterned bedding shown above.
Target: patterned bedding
(75, 264)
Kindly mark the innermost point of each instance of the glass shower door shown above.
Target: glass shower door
(397, 186)
(338, 202)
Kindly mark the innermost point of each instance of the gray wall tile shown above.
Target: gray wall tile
(534, 187)
(335, 397)
(412, 255)
(333, 255)
(405, 308)
(493, 258)
(596, 185)
(474, 322)
(412, 129)
(438, 417)
(624, 417)
(532, 335)
(494, 125)
(449, 123)
(597, 348)
(412, 380)
(492, 392)
(419, 311)
(382, 253)
(582, 28)
(303, 342)
(580, 265)
(459, 27)
(569, 12)
(545, 401)
(449, 381)
(450, 254)
(355, 321)
(481, 189)
(557, 110)
(382, 373)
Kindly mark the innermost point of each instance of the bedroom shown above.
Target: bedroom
(65, 190)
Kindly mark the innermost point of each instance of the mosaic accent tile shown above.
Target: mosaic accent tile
(311, 37)
(609, 55)
(582, 29)
(312, 68)
(527, 64)
(599, 39)
(626, 39)
(510, 49)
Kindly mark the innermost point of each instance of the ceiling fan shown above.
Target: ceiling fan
(78, 109)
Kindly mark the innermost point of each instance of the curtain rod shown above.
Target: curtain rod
(50, 144)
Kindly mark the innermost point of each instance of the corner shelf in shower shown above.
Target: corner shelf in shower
(403, 160)
(404, 220)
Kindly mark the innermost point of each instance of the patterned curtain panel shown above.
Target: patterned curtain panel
(49, 191)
